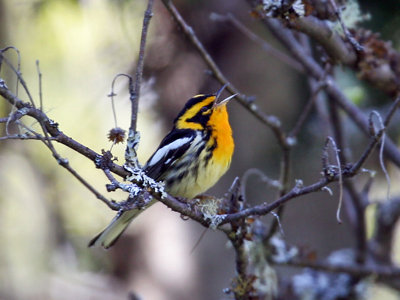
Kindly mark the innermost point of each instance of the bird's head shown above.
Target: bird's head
(199, 109)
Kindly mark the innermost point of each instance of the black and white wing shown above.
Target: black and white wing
(171, 149)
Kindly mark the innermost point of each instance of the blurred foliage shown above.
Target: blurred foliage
(384, 20)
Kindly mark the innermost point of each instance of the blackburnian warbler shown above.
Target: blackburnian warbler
(190, 159)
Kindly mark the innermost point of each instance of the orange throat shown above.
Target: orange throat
(222, 134)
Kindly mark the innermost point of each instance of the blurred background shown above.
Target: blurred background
(47, 217)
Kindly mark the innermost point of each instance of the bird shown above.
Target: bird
(190, 159)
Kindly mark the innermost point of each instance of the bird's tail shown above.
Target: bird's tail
(113, 231)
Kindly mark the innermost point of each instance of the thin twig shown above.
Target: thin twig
(17, 81)
(203, 233)
(18, 62)
(331, 141)
(307, 109)
(40, 85)
(266, 208)
(382, 146)
(131, 159)
(346, 31)
(135, 90)
(22, 137)
(18, 73)
(110, 203)
(377, 137)
(23, 83)
(284, 181)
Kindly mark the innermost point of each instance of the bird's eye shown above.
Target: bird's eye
(204, 109)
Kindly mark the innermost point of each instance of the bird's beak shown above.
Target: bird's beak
(225, 101)
(218, 94)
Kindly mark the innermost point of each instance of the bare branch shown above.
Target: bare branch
(135, 89)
